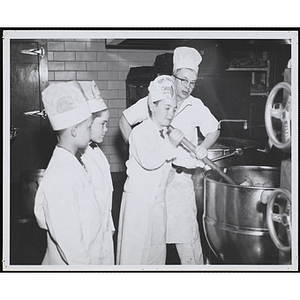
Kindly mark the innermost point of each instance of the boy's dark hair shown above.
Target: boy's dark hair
(98, 114)
(149, 110)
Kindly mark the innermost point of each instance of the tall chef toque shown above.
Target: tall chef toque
(186, 57)
(65, 105)
(160, 88)
(92, 95)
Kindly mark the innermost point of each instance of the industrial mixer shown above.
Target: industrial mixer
(249, 222)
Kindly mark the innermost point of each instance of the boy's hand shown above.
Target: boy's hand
(176, 137)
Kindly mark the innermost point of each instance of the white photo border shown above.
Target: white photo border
(175, 33)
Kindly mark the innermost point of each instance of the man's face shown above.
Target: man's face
(185, 80)
(163, 112)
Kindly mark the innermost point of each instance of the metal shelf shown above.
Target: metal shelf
(254, 70)
(250, 69)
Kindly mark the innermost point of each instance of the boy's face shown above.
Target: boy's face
(83, 133)
(163, 111)
(99, 127)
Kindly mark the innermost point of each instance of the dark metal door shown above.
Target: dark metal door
(28, 77)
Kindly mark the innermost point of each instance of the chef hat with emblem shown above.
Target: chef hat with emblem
(186, 57)
(65, 105)
(160, 88)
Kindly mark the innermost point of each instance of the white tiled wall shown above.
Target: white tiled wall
(90, 60)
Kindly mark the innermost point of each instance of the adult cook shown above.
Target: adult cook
(182, 225)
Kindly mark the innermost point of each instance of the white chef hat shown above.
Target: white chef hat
(186, 57)
(160, 88)
(65, 105)
(92, 95)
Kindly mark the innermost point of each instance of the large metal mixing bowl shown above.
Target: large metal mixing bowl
(235, 215)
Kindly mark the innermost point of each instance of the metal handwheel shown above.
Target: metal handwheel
(281, 200)
(281, 113)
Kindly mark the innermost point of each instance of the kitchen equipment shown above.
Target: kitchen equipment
(245, 126)
(205, 160)
(235, 215)
(278, 126)
(279, 211)
(234, 142)
(221, 155)
(278, 117)
(227, 151)
(225, 147)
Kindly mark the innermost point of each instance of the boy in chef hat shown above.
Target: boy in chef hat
(191, 115)
(65, 203)
(142, 223)
(98, 166)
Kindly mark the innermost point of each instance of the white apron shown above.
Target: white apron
(180, 195)
(65, 206)
(99, 169)
(142, 223)
(142, 231)
(181, 209)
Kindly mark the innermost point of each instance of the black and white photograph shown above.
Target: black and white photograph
(150, 150)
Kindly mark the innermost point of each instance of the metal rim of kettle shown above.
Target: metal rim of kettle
(238, 185)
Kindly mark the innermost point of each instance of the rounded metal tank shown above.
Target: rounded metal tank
(235, 215)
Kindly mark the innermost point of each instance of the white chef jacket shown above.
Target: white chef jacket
(99, 169)
(66, 206)
(182, 226)
(191, 114)
(142, 224)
